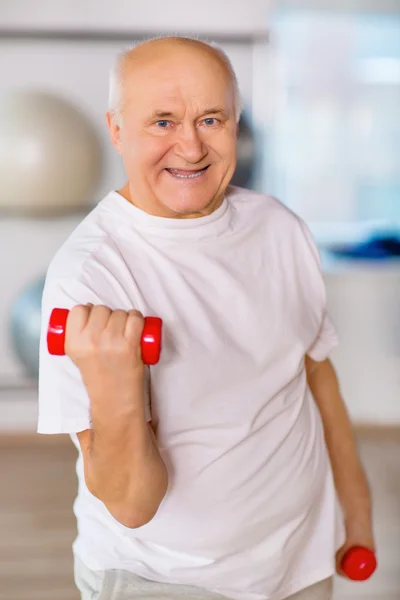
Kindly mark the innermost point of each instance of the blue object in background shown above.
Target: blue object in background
(376, 248)
(25, 326)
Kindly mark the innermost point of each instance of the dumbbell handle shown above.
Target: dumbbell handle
(359, 563)
(150, 340)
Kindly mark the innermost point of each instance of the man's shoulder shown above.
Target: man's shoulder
(262, 205)
(84, 247)
(281, 225)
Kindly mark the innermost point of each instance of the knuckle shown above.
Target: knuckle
(77, 311)
(136, 319)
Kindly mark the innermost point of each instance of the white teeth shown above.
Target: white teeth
(188, 176)
(192, 176)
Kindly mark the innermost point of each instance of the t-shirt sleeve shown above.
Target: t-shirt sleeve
(326, 338)
(325, 342)
(63, 402)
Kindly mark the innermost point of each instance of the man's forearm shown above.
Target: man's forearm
(123, 468)
(350, 480)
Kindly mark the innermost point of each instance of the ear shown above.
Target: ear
(237, 130)
(114, 131)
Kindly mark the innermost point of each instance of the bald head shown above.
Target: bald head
(148, 52)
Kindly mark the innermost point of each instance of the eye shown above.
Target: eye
(210, 121)
(162, 124)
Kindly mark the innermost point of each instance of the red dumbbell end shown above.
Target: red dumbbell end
(56, 331)
(359, 563)
(151, 340)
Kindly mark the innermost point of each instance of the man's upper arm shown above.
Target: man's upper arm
(312, 365)
(64, 405)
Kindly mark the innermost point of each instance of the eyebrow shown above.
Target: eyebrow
(162, 114)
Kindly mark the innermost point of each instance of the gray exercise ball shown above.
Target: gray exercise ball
(50, 155)
(25, 326)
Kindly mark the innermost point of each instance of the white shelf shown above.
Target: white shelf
(212, 17)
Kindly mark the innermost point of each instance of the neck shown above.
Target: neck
(158, 210)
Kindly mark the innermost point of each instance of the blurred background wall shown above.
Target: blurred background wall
(321, 88)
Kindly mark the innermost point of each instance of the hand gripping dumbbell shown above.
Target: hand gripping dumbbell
(359, 563)
(150, 340)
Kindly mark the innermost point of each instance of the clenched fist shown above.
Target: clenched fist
(122, 464)
(105, 345)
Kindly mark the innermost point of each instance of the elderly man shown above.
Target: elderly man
(229, 469)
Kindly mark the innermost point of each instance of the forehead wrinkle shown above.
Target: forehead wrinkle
(151, 64)
(176, 102)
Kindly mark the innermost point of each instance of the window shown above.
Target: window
(333, 139)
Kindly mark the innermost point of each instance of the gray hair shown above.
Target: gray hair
(116, 76)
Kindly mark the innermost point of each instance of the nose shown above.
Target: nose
(189, 145)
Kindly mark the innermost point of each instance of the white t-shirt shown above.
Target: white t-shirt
(251, 511)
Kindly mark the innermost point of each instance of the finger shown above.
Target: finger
(116, 324)
(134, 326)
(77, 320)
(339, 557)
(98, 318)
(339, 568)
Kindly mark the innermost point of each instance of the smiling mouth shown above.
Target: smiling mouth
(187, 174)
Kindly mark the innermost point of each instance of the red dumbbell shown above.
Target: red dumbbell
(359, 563)
(150, 340)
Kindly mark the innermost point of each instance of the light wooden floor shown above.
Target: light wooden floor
(37, 527)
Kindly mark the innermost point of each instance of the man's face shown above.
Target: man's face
(178, 133)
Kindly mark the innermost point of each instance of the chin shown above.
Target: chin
(189, 207)
(186, 205)
(190, 196)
